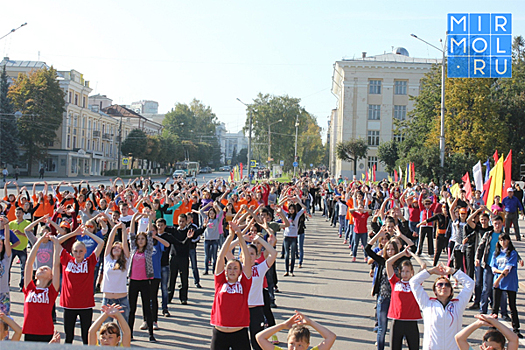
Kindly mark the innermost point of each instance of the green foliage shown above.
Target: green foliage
(8, 128)
(41, 100)
(241, 157)
(388, 154)
(135, 144)
(352, 150)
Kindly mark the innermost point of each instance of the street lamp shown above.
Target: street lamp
(249, 155)
(296, 130)
(442, 133)
(270, 142)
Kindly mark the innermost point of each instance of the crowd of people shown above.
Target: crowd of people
(135, 238)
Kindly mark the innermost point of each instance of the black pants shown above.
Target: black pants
(441, 243)
(270, 274)
(154, 285)
(70, 317)
(182, 265)
(142, 286)
(458, 260)
(404, 329)
(268, 313)
(38, 338)
(256, 324)
(224, 341)
(470, 254)
(426, 231)
(512, 305)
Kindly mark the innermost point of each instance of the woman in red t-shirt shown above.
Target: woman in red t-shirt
(78, 274)
(40, 296)
(404, 309)
(230, 315)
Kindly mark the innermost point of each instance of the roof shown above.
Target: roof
(23, 64)
(121, 111)
(390, 57)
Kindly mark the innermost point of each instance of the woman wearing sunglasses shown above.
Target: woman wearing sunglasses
(442, 315)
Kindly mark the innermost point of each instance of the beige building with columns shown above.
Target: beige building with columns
(371, 93)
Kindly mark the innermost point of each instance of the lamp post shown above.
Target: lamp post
(442, 129)
(249, 155)
(295, 153)
(270, 142)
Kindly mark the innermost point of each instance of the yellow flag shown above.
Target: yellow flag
(455, 191)
(496, 184)
(389, 178)
(362, 176)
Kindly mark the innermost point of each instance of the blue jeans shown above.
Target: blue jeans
(164, 279)
(22, 255)
(382, 321)
(124, 302)
(193, 260)
(342, 225)
(349, 233)
(290, 244)
(488, 280)
(300, 239)
(479, 284)
(359, 237)
(210, 252)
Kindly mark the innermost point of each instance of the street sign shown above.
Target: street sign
(253, 163)
(281, 162)
(295, 164)
(125, 161)
(479, 45)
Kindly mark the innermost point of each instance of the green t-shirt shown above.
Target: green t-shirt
(13, 226)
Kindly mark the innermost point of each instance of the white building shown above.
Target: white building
(230, 142)
(372, 92)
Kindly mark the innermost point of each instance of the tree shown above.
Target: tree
(8, 128)
(242, 156)
(41, 100)
(233, 160)
(310, 146)
(387, 153)
(135, 145)
(352, 150)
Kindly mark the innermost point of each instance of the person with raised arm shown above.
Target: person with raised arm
(494, 338)
(109, 334)
(230, 315)
(7, 322)
(298, 334)
(442, 315)
(40, 295)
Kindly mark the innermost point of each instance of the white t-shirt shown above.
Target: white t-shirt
(114, 280)
(255, 298)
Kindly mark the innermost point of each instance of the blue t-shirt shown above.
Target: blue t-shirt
(493, 241)
(12, 237)
(500, 262)
(158, 248)
(90, 243)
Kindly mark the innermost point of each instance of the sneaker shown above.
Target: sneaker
(349, 246)
(376, 329)
(354, 259)
(198, 285)
(345, 242)
(275, 340)
(285, 274)
(184, 302)
(144, 326)
(152, 339)
(340, 236)
(517, 332)
(474, 306)
(166, 313)
(273, 305)
(300, 266)
(155, 326)
(276, 290)
(205, 273)
(505, 318)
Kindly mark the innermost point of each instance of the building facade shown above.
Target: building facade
(230, 142)
(372, 92)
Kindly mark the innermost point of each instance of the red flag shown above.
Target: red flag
(413, 173)
(374, 172)
(231, 176)
(366, 178)
(467, 186)
(240, 175)
(496, 158)
(507, 166)
(395, 175)
(486, 187)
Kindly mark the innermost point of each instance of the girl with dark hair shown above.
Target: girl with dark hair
(291, 233)
(109, 334)
(505, 268)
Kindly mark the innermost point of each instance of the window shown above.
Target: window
(84, 101)
(400, 87)
(398, 137)
(69, 100)
(373, 138)
(82, 143)
(101, 105)
(371, 162)
(68, 141)
(93, 145)
(76, 99)
(400, 112)
(74, 131)
(74, 142)
(88, 143)
(374, 112)
(375, 87)
(50, 164)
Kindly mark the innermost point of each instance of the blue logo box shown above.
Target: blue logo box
(479, 45)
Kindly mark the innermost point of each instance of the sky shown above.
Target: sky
(217, 51)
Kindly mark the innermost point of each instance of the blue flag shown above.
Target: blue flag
(487, 164)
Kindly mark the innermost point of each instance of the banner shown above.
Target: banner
(413, 174)
(400, 174)
(240, 172)
(455, 191)
(487, 170)
(507, 166)
(395, 175)
(374, 173)
(467, 187)
(496, 184)
(478, 176)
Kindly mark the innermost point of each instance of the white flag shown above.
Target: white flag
(478, 176)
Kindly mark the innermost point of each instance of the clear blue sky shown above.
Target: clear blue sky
(173, 51)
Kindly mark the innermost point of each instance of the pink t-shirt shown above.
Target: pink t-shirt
(138, 267)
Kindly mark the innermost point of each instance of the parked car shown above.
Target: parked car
(180, 173)
(225, 168)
